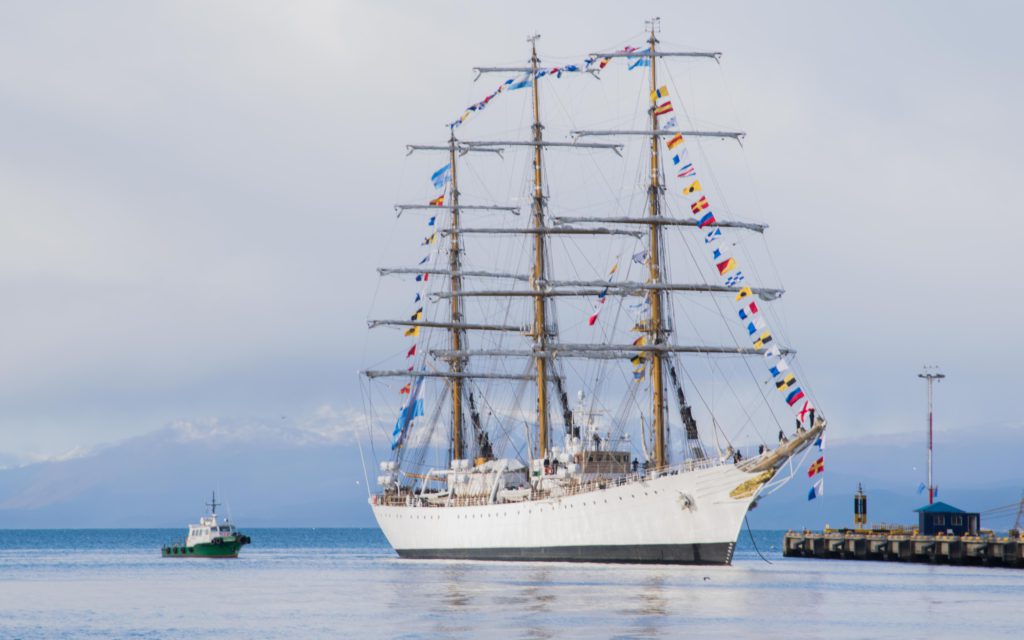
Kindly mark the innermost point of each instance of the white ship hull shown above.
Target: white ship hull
(691, 517)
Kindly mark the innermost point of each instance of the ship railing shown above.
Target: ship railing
(406, 497)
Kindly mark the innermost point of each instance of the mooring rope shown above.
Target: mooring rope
(753, 542)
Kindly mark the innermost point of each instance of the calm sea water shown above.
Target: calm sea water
(347, 583)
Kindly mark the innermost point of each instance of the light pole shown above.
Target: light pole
(930, 375)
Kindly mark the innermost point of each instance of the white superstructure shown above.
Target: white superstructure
(209, 529)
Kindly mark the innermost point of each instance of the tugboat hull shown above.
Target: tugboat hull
(228, 548)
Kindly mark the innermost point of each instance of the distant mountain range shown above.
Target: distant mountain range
(266, 476)
(272, 476)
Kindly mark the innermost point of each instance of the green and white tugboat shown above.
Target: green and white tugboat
(211, 538)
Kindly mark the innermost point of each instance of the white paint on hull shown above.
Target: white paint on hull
(651, 512)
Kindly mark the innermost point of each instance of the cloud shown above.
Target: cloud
(196, 195)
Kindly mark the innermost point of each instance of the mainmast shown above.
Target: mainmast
(538, 275)
(457, 364)
(654, 263)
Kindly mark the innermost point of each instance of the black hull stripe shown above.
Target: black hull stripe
(708, 553)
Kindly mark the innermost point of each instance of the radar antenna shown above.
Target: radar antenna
(213, 504)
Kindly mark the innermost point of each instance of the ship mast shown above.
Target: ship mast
(457, 364)
(537, 277)
(654, 263)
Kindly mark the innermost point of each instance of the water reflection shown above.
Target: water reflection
(455, 593)
(650, 605)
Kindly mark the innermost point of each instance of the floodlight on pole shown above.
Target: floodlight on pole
(930, 374)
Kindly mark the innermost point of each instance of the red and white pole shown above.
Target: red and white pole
(930, 375)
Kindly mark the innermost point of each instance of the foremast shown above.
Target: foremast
(457, 336)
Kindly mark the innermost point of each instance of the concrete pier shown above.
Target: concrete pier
(905, 546)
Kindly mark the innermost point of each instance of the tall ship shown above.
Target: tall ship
(605, 387)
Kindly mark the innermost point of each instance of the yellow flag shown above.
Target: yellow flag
(693, 188)
(743, 293)
(412, 331)
(662, 92)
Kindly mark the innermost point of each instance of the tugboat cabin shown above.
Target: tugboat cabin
(208, 529)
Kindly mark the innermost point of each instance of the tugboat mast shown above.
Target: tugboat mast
(213, 504)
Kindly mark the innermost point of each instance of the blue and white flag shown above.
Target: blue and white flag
(754, 326)
(820, 442)
(817, 490)
(921, 487)
(634, 63)
(521, 83)
(734, 279)
(441, 176)
(413, 408)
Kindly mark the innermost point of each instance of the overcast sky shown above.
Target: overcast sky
(195, 194)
